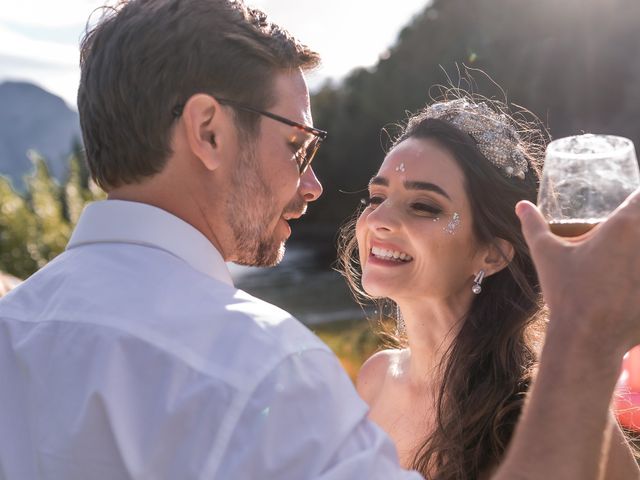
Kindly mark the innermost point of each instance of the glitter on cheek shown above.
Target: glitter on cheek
(453, 224)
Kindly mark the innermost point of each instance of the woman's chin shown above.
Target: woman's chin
(377, 289)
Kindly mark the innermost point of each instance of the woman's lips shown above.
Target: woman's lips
(387, 257)
(390, 254)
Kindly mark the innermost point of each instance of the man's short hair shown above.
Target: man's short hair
(144, 57)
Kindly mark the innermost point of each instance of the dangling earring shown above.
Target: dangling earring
(401, 328)
(477, 283)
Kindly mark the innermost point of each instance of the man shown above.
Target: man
(592, 287)
(132, 355)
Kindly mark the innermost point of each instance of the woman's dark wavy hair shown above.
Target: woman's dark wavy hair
(488, 367)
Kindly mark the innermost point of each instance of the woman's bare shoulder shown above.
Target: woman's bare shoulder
(373, 373)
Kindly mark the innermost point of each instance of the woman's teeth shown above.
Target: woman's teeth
(390, 255)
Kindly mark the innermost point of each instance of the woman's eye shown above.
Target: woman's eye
(371, 201)
(425, 208)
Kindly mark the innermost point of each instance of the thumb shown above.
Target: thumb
(534, 226)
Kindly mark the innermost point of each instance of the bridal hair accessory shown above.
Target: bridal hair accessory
(494, 134)
(401, 327)
(477, 282)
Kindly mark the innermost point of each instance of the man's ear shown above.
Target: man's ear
(206, 127)
(498, 255)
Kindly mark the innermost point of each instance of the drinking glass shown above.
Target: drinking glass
(585, 178)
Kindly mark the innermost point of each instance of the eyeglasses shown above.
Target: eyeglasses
(304, 155)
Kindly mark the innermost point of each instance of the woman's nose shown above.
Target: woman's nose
(384, 218)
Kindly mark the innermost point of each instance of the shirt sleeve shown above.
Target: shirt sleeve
(305, 421)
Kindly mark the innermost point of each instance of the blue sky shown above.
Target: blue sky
(39, 38)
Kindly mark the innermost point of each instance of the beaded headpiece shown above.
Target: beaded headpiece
(494, 134)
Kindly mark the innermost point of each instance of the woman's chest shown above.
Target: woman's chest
(407, 419)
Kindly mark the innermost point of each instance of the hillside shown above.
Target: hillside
(32, 118)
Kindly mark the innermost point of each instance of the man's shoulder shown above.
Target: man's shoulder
(167, 307)
(272, 325)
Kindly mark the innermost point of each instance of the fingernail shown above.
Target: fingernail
(523, 208)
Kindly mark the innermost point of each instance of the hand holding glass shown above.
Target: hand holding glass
(584, 179)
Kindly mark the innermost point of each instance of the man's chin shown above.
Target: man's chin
(266, 255)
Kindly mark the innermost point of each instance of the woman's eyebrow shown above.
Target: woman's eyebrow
(412, 185)
(379, 181)
(431, 187)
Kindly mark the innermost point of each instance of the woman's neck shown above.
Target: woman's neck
(431, 326)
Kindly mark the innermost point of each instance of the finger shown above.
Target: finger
(631, 202)
(625, 216)
(534, 227)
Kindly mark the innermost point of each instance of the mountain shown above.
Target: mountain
(32, 118)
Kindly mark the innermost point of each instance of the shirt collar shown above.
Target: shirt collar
(142, 224)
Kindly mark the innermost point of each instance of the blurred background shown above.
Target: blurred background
(575, 64)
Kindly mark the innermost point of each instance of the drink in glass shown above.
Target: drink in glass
(585, 178)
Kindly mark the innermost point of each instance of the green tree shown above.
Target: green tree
(35, 226)
(51, 229)
(17, 224)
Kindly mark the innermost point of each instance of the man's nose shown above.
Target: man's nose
(310, 186)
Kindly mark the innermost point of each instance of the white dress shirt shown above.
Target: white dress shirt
(132, 356)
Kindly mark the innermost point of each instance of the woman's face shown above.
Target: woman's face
(415, 238)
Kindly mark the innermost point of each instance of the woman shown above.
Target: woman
(439, 241)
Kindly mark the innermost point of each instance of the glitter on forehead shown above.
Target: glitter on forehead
(400, 168)
(494, 134)
(453, 224)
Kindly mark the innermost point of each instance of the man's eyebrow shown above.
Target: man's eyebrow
(412, 185)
